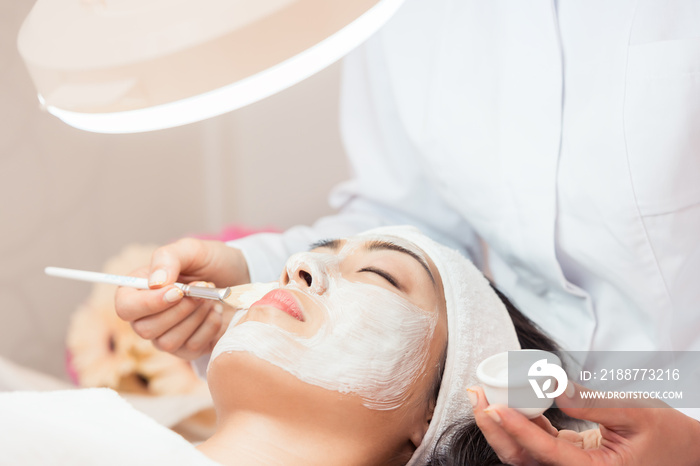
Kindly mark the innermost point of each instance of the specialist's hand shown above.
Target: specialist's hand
(186, 327)
(628, 434)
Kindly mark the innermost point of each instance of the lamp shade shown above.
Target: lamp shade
(122, 66)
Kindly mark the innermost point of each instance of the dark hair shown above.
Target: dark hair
(467, 445)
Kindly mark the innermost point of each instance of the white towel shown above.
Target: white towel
(92, 426)
(478, 326)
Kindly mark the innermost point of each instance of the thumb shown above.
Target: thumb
(186, 258)
(166, 263)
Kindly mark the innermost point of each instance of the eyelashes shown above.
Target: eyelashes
(335, 244)
(382, 273)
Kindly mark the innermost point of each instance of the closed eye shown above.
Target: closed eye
(385, 275)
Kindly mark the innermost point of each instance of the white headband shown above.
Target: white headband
(478, 327)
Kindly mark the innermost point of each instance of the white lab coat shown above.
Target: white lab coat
(565, 136)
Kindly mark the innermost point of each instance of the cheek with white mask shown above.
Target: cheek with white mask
(372, 343)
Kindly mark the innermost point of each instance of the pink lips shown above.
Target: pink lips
(282, 300)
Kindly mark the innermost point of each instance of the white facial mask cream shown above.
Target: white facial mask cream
(372, 343)
(243, 296)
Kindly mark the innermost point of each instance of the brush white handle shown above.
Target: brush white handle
(134, 282)
(97, 277)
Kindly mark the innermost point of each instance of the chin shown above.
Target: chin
(242, 385)
(241, 380)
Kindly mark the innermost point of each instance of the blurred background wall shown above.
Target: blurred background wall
(74, 199)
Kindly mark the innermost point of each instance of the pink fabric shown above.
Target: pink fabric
(70, 370)
(232, 232)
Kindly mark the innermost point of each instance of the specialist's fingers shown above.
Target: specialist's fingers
(194, 332)
(632, 431)
(132, 304)
(592, 438)
(544, 424)
(175, 311)
(615, 414)
(572, 437)
(506, 448)
(536, 444)
(185, 255)
(189, 259)
(205, 336)
(185, 327)
(154, 325)
(541, 421)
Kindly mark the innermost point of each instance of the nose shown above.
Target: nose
(307, 272)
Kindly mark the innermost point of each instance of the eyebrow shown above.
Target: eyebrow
(377, 245)
(333, 244)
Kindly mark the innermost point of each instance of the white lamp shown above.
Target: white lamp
(123, 66)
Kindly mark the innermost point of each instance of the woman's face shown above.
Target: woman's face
(364, 316)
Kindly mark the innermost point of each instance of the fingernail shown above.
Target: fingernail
(219, 308)
(473, 397)
(173, 294)
(493, 414)
(570, 389)
(157, 278)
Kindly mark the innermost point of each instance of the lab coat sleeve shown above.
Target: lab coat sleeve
(390, 183)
